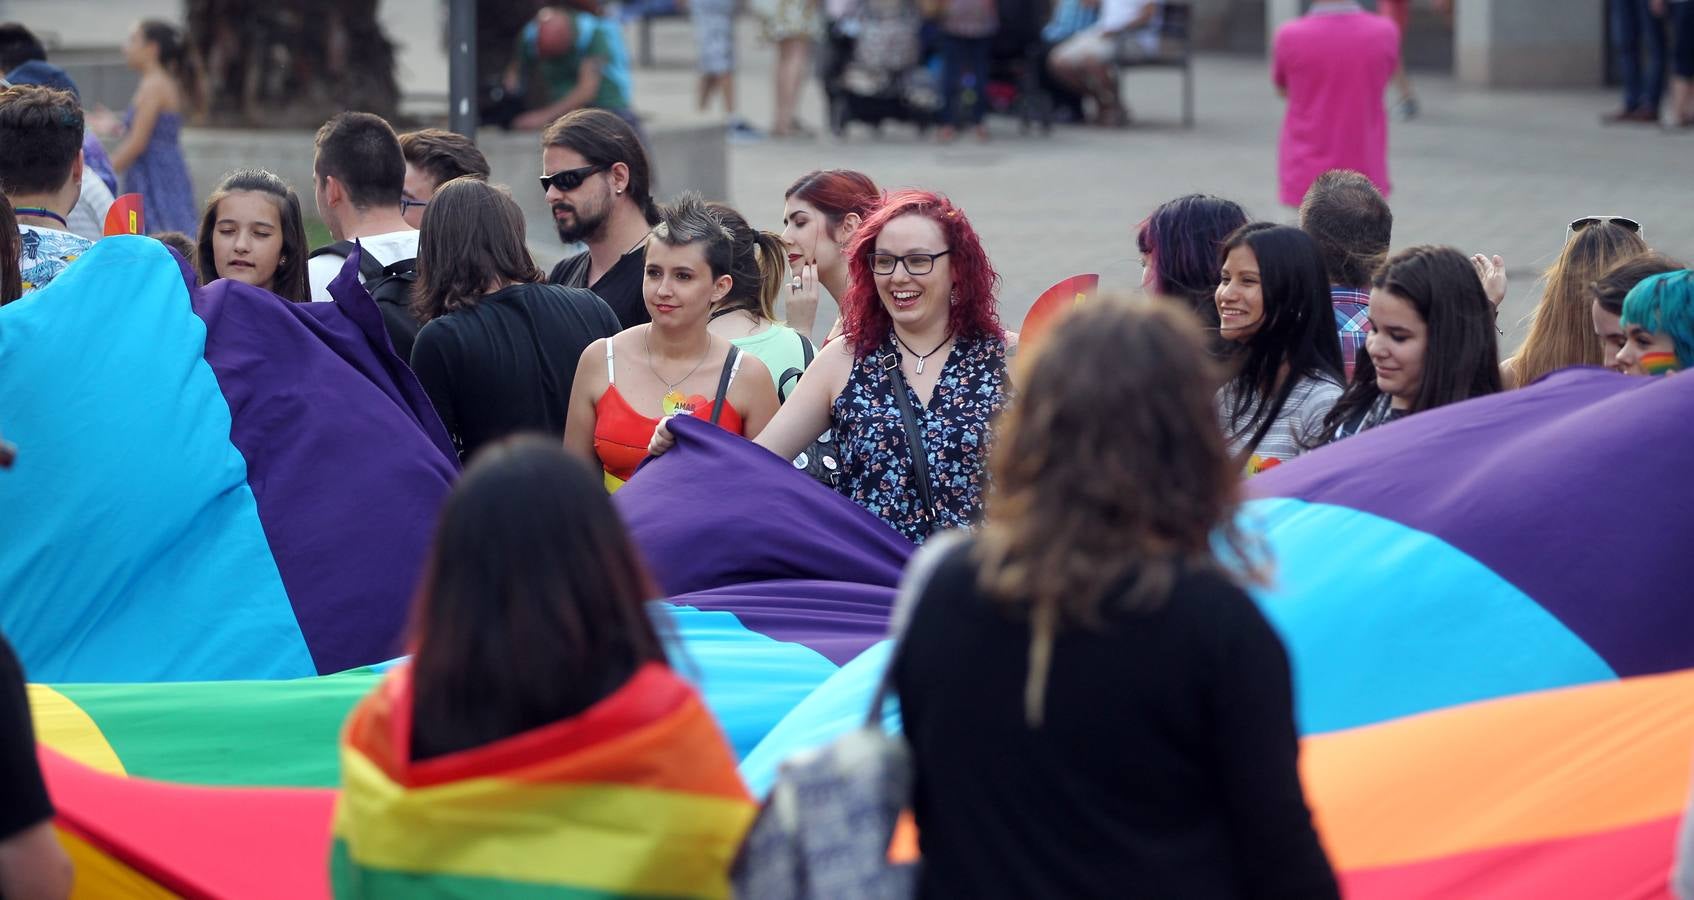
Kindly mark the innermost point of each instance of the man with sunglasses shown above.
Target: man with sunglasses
(598, 184)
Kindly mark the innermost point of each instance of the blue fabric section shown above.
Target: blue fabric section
(750, 681)
(1397, 621)
(837, 706)
(133, 548)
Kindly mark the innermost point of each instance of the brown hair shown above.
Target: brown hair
(40, 137)
(1562, 332)
(1110, 467)
(290, 281)
(359, 150)
(1610, 289)
(445, 155)
(472, 236)
(605, 139)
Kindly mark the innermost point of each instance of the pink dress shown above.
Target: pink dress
(1334, 63)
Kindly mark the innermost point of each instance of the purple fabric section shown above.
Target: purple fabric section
(1574, 489)
(726, 525)
(345, 456)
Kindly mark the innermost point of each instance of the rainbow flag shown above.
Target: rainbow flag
(212, 483)
(636, 797)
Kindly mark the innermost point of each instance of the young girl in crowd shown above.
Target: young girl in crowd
(1609, 293)
(1562, 332)
(1275, 316)
(1180, 244)
(1658, 317)
(537, 706)
(747, 314)
(253, 232)
(674, 364)
(149, 153)
(498, 347)
(1431, 342)
(922, 335)
(820, 214)
(1093, 585)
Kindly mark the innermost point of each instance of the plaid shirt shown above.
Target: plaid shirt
(1352, 322)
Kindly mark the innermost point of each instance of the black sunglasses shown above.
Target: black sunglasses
(1620, 221)
(569, 179)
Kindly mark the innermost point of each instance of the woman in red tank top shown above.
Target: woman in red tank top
(626, 383)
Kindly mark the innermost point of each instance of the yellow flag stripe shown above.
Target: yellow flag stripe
(67, 728)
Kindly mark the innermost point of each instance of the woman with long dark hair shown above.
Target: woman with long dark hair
(496, 351)
(149, 150)
(821, 212)
(1431, 342)
(921, 343)
(537, 706)
(1274, 314)
(1126, 715)
(253, 232)
(1180, 244)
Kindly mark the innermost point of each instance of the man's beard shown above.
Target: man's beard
(584, 227)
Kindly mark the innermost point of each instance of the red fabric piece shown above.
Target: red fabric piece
(1630, 863)
(253, 843)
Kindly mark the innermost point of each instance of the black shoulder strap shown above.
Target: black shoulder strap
(723, 382)
(793, 374)
(914, 435)
(369, 268)
(406, 268)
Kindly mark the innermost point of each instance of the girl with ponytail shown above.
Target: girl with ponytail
(747, 314)
(149, 151)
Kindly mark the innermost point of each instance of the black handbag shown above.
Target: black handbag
(820, 459)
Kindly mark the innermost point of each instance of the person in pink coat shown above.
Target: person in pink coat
(1333, 65)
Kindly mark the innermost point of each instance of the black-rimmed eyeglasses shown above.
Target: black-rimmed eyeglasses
(406, 204)
(569, 179)
(915, 263)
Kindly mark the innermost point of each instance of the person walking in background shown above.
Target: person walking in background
(1400, 13)
(499, 346)
(791, 25)
(253, 232)
(599, 186)
(537, 709)
(1680, 112)
(88, 218)
(433, 158)
(1095, 584)
(967, 35)
(714, 44)
(1352, 225)
(149, 151)
(1333, 65)
(41, 174)
(1638, 40)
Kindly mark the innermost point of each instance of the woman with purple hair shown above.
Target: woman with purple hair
(1180, 244)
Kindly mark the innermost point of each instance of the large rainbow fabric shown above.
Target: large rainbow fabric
(212, 483)
(1493, 672)
(637, 796)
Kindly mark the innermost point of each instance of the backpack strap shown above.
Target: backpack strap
(731, 365)
(369, 268)
(793, 374)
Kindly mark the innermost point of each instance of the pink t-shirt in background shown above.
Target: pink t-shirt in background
(1335, 63)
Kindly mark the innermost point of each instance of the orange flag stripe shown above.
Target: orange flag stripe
(1540, 766)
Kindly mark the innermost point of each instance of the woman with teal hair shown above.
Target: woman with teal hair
(1658, 321)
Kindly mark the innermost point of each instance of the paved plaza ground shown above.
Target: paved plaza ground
(1484, 170)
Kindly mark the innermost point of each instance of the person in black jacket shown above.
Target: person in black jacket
(499, 346)
(32, 864)
(1095, 707)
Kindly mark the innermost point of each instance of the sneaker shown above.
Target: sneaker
(1407, 109)
(741, 131)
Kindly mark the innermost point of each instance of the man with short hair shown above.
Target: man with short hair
(88, 219)
(433, 158)
(41, 174)
(600, 190)
(358, 177)
(1352, 225)
(1333, 65)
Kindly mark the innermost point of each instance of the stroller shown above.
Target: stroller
(872, 67)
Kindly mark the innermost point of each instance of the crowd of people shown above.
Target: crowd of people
(1076, 496)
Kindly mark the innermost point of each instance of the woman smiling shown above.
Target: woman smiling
(252, 232)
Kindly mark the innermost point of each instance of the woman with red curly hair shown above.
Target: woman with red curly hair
(920, 325)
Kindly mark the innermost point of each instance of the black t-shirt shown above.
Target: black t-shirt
(620, 287)
(1165, 764)
(23, 795)
(506, 364)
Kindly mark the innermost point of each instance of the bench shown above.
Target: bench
(643, 12)
(1176, 51)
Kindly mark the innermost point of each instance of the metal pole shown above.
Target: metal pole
(461, 67)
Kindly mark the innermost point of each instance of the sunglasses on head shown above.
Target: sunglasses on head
(1620, 221)
(569, 179)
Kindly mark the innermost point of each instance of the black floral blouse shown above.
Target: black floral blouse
(875, 461)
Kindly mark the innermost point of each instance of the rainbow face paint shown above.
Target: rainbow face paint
(1659, 362)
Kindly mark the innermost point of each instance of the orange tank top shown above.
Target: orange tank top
(621, 434)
